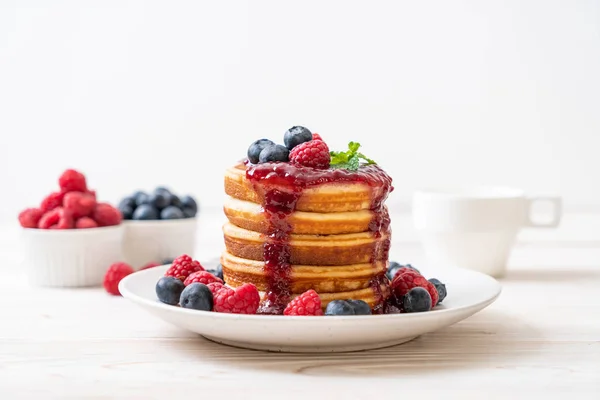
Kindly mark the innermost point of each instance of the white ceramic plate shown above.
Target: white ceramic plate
(468, 293)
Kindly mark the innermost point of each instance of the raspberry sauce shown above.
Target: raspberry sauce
(282, 185)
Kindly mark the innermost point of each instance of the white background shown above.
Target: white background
(137, 94)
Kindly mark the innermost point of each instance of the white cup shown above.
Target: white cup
(475, 228)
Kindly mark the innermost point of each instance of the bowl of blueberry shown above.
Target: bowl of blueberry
(159, 225)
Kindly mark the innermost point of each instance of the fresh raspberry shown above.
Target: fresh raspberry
(30, 217)
(72, 181)
(52, 201)
(204, 277)
(182, 267)
(308, 303)
(113, 276)
(314, 153)
(150, 265)
(59, 217)
(402, 283)
(85, 223)
(243, 300)
(215, 287)
(80, 204)
(403, 270)
(316, 136)
(92, 193)
(106, 215)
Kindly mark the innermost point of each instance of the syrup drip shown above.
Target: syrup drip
(282, 185)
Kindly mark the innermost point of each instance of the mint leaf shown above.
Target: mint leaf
(351, 159)
(353, 147)
(367, 159)
(353, 163)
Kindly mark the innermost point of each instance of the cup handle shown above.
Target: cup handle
(557, 212)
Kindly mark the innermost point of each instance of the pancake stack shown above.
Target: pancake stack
(292, 228)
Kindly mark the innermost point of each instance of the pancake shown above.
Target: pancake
(353, 248)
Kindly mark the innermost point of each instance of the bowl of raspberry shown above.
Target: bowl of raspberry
(159, 225)
(71, 237)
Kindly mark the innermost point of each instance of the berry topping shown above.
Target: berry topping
(256, 147)
(197, 296)
(308, 303)
(30, 217)
(417, 300)
(183, 266)
(52, 201)
(168, 290)
(360, 307)
(313, 154)
(217, 271)
(243, 300)
(106, 215)
(215, 287)
(85, 223)
(145, 212)
(441, 289)
(203, 277)
(316, 136)
(72, 181)
(113, 276)
(274, 153)
(339, 307)
(394, 268)
(296, 135)
(171, 212)
(79, 204)
(404, 282)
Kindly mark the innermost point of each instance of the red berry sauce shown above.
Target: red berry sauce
(283, 184)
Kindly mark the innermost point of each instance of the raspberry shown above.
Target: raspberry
(204, 277)
(59, 217)
(182, 267)
(72, 181)
(308, 303)
(80, 204)
(402, 283)
(92, 193)
(243, 300)
(113, 276)
(106, 215)
(85, 223)
(215, 287)
(316, 136)
(314, 153)
(52, 201)
(30, 217)
(150, 265)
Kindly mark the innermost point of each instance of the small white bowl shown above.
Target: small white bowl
(70, 257)
(154, 241)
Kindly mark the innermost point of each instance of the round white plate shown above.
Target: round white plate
(468, 293)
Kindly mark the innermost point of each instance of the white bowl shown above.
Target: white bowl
(70, 257)
(153, 241)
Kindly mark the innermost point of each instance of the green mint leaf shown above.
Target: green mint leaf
(367, 159)
(353, 163)
(353, 147)
(351, 159)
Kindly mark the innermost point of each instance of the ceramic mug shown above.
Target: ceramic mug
(476, 227)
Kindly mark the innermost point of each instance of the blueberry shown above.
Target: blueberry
(296, 135)
(196, 296)
(175, 201)
(275, 152)
(360, 307)
(189, 202)
(256, 147)
(126, 211)
(142, 198)
(188, 212)
(159, 200)
(218, 271)
(162, 189)
(168, 290)
(441, 289)
(339, 307)
(171, 212)
(145, 212)
(417, 300)
(167, 261)
(127, 202)
(394, 267)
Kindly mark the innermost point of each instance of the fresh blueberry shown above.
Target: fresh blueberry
(162, 189)
(171, 212)
(175, 201)
(275, 152)
(189, 202)
(159, 200)
(394, 267)
(188, 212)
(296, 135)
(142, 198)
(360, 307)
(167, 261)
(218, 271)
(417, 300)
(256, 147)
(127, 202)
(339, 307)
(168, 290)
(441, 289)
(126, 211)
(145, 212)
(196, 296)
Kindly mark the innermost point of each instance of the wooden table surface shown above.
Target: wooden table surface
(541, 337)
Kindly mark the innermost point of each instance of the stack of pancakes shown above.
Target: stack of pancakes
(333, 246)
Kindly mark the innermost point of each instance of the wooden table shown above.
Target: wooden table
(542, 337)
